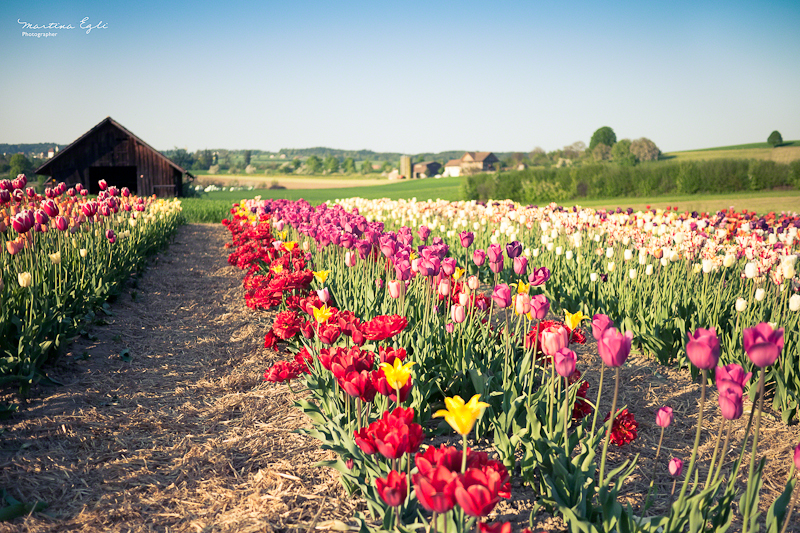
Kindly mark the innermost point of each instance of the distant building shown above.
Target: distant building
(470, 163)
(426, 169)
(52, 152)
(112, 153)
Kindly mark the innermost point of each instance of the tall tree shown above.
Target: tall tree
(349, 166)
(604, 135)
(775, 138)
(247, 155)
(645, 150)
(366, 166)
(314, 164)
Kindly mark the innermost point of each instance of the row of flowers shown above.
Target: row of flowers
(455, 341)
(63, 254)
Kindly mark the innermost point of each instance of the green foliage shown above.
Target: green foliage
(19, 164)
(349, 166)
(775, 138)
(314, 164)
(331, 164)
(604, 135)
(621, 153)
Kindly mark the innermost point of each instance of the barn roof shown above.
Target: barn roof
(108, 120)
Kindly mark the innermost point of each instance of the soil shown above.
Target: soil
(180, 433)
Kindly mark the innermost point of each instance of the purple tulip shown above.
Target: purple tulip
(664, 417)
(600, 323)
(615, 347)
(479, 257)
(502, 296)
(731, 400)
(467, 238)
(703, 348)
(520, 265)
(540, 306)
(539, 276)
(763, 344)
(513, 249)
(565, 361)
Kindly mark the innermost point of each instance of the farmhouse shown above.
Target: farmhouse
(112, 153)
(471, 163)
(426, 169)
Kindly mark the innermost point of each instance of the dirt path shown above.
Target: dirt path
(179, 434)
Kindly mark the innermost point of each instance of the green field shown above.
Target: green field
(785, 153)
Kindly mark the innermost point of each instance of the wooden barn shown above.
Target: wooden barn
(112, 153)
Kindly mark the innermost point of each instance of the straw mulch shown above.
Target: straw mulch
(183, 436)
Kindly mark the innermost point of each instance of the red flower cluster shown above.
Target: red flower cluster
(624, 429)
(288, 370)
(392, 435)
(582, 408)
(440, 484)
(384, 327)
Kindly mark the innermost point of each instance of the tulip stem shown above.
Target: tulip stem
(714, 455)
(655, 468)
(610, 427)
(533, 361)
(696, 436)
(745, 520)
(724, 450)
(464, 455)
(597, 401)
(566, 416)
(792, 501)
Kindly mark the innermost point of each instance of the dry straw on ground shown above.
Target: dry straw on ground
(185, 436)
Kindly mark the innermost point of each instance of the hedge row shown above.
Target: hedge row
(598, 180)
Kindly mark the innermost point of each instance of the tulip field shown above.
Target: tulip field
(437, 344)
(63, 256)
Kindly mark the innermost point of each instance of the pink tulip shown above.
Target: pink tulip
(324, 295)
(448, 266)
(733, 373)
(703, 348)
(496, 266)
(731, 400)
(763, 344)
(479, 257)
(61, 223)
(539, 276)
(502, 296)
(395, 288)
(797, 457)
(350, 259)
(102, 184)
(463, 298)
(520, 265)
(444, 287)
(664, 417)
(457, 314)
(495, 253)
(675, 467)
(614, 347)
(424, 232)
(540, 306)
(565, 361)
(473, 283)
(600, 323)
(449, 327)
(554, 338)
(466, 237)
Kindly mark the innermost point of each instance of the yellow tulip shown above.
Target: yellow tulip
(289, 245)
(281, 235)
(277, 268)
(55, 258)
(462, 416)
(458, 273)
(397, 374)
(573, 320)
(523, 288)
(322, 314)
(321, 275)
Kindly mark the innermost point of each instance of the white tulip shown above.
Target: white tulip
(772, 239)
(83, 252)
(729, 260)
(559, 250)
(535, 252)
(626, 240)
(609, 252)
(642, 259)
(648, 270)
(627, 255)
(794, 302)
(632, 273)
(569, 255)
(610, 266)
(673, 256)
(707, 266)
(593, 277)
(550, 246)
(697, 268)
(760, 293)
(750, 270)
(597, 238)
(787, 269)
(664, 261)
(741, 305)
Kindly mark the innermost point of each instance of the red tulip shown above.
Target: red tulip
(435, 491)
(614, 347)
(763, 344)
(477, 491)
(384, 327)
(498, 527)
(703, 348)
(394, 489)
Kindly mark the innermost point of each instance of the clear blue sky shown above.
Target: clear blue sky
(404, 76)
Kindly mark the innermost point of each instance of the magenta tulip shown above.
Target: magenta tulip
(495, 253)
(600, 323)
(763, 344)
(731, 400)
(703, 348)
(664, 417)
(539, 276)
(466, 237)
(449, 266)
(479, 257)
(614, 347)
(540, 306)
(424, 232)
(733, 373)
(797, 457)
(520, 265)
(565, 361)
(502, 296)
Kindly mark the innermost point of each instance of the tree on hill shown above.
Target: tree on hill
(366, 166)
(331, 164)
(775, 138)
(601, 152)
(349, 166)
(19, 164)
(314, 164)
(621, 153)
(645, 150)
(604, 135)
